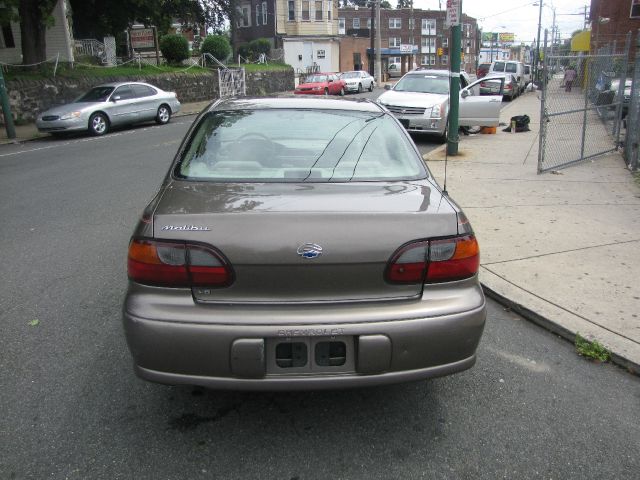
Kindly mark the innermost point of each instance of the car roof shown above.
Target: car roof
(119, 84)
(419, 71)
(266, 103)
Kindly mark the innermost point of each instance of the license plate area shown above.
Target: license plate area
(310, 355)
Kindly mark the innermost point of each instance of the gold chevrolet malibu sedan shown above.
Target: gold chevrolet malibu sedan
(300, 243)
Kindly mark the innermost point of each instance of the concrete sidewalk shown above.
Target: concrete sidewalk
(29, 131)
(561, 248)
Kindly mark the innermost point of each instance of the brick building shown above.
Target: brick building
(421, 33)
(611, 20)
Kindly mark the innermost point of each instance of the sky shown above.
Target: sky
(519, 16)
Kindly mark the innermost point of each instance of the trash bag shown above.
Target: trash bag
(521, 123)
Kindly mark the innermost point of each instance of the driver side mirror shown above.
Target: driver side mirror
(387, 87)
(330, 80)
(464, 93)
(115, 98)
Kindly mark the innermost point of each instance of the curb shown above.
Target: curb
(553, 327)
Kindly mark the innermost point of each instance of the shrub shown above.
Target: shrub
(260, 45)
(244, 50)
(174, 48)
(216, 45)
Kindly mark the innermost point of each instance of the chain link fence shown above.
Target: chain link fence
(582, 105)
(631, 113)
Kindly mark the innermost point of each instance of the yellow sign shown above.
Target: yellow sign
(506, 37)
(581, 42)
(440, 51)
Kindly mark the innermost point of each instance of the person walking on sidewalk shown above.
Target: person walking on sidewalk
(569, 76)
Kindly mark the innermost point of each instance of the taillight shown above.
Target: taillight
(409, 264)
(433, 261)
(175, 264)
(507, 86)
(453, 259)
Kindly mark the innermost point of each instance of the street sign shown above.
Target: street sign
(142, 38)
(453, 13)
(406, 48)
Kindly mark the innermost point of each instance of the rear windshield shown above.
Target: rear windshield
(512, 67)
(351, 75)
(299, 146)
(316, 79)
(423, 84)
(498, 67)
(97, 94)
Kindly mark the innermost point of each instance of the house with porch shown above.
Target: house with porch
(305, 30)
(59, 38)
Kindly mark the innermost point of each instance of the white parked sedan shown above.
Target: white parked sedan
(358, 81)
(420, 101)
(108, 105)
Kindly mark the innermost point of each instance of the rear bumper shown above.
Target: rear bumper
(403, 341)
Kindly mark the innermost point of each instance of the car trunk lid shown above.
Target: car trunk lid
(262, 229)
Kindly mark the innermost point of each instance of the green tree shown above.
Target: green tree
(216, 45)
(174, 48)
(385, 4)
(97, 18)
(404, 4)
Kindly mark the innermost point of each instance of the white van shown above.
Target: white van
(513, 67)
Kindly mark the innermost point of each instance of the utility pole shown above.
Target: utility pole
(454, 88)
(6, 109)
(537, 59)
(378, 46)
(372, 34)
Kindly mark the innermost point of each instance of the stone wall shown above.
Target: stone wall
(29, 97)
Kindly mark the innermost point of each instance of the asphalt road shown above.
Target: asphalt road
(72, 408)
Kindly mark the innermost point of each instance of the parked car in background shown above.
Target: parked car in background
(528, 75)
(492, 85)
(482, 70)
(510, 66)
(394, 70)
(321, 84)
(358, 81)
(420, 100)
(301, 243)
(110, 105)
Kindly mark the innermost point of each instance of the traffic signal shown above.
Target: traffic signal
(440, 51)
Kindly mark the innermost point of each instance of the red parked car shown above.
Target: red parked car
(321, 84)
(483, 69)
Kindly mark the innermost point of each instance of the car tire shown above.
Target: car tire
(443, 138)
(360, 89)
(326, 92)
(342, 92)
(164, 114)
(371, 86)
(98, 124)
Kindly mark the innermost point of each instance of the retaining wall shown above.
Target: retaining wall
(29, 97)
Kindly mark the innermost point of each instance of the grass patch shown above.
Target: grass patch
(261, 67)
(65, 71)
(591, 350)
(129, 70)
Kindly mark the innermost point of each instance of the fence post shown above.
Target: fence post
(543, 98)
(55, 67)
(633, 115)
(617, 124)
